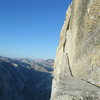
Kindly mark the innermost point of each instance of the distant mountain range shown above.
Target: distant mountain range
(25, 79)
(38, 64)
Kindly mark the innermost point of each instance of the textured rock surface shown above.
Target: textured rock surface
(74, 89)
(78, 53)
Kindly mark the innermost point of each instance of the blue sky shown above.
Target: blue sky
(31, 28)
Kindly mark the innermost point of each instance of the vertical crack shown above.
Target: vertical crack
(64, 45)
(67, 58)
(68, 26)
(69, 65)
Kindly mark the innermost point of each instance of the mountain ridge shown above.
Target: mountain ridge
(22, 81)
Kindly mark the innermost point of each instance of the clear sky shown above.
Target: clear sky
(31, 28)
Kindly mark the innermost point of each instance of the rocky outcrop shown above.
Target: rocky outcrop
(78, 53)
(74, 89)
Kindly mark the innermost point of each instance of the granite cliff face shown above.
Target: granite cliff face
(77, 62)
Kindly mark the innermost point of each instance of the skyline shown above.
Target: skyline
(31, 28)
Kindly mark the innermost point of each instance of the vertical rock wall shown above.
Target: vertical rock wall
(78, 53)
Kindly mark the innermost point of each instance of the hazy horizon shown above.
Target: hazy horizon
(24, 57)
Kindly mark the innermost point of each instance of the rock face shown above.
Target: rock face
(78, 53)
(74, 89)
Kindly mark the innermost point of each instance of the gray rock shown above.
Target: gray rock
(74, 89)
(78, 53)
(80, 41)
